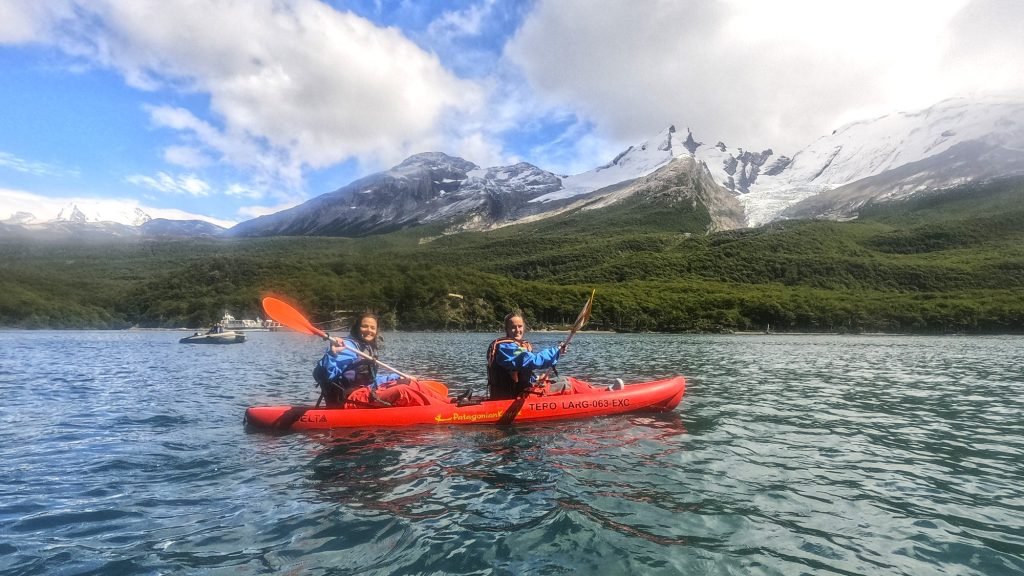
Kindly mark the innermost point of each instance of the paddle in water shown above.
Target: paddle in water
(288, 316)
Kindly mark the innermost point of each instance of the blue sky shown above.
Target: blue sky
(228, 109)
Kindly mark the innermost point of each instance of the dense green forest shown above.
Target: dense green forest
(944, 262)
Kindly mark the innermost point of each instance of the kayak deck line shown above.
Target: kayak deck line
(578, 400)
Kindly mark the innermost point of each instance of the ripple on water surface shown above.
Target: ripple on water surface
(817, 455)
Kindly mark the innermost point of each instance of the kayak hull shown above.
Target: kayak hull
(582, 402)
(221, 338)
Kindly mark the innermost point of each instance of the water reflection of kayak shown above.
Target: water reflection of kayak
(221, 338)
(578, 400)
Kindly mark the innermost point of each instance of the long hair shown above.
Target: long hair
(354, 332)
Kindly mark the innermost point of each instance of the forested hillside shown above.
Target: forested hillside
(945, 262)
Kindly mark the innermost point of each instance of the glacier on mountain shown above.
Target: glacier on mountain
(94, 212)
(889, 157)
(868, 148)
(767, 184)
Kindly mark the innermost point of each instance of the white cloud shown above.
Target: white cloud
(244, 191)
(13, 162)
(480, 150)
(296, 85)
(27, 21)
(306, 85)
(986, 48)
(467, 22)
(186, 157)
(241, 150)
(188, 184)
(757, 74)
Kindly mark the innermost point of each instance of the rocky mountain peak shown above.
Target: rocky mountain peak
(690, 144)
(71, 213)
(436, 160)
(21, 218)
(434, 187)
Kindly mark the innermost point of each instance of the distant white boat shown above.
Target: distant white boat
(228, 337)
(229, 322)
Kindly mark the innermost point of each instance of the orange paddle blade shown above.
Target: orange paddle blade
(435, 387)
(290, 317)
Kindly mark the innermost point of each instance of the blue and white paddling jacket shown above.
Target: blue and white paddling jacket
(511, 364)
(351, 370)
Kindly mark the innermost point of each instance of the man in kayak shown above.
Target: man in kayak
(349, 380)
(511, 361)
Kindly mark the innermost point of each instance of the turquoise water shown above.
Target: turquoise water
(124, 453)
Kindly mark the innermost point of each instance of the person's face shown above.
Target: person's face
(515, 328)
(368, 329)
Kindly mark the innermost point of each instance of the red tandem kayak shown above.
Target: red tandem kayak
(579, 400)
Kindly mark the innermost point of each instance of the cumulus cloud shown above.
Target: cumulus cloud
(762, 74)
(267, 90)
(25, 21)
(186, 157)
(986, 48)
(305, 84)
(188, 184)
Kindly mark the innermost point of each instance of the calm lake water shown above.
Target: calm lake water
(124, 453)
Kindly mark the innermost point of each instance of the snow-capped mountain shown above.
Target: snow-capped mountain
(890, 157)
(681, 179)
(84, 212)
(425, 188)
(733, 168)
(437, 188)
(20, 218)
(98, 219)
(76, 220)
(953, 142)
(632, 163)
(971, 161)
(965, 139)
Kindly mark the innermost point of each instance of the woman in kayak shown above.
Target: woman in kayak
(349, 380)
(511, 361)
